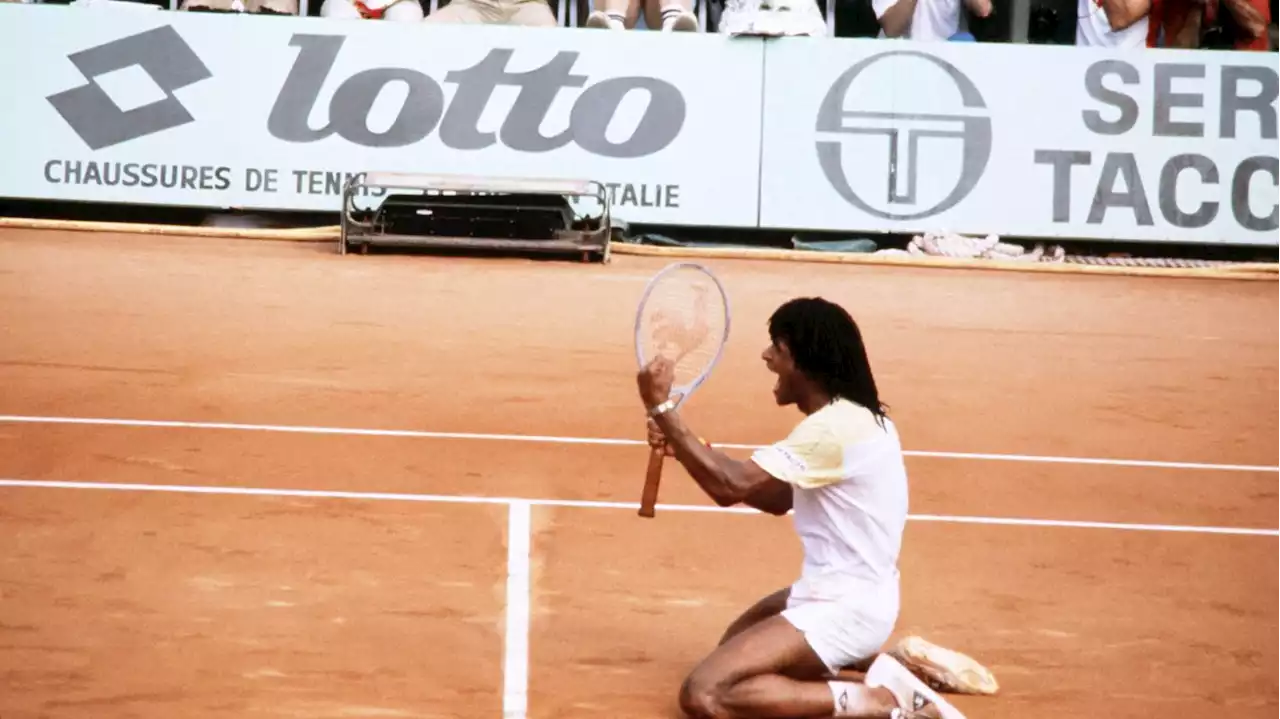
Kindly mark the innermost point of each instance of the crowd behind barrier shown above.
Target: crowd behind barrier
(1209, 24)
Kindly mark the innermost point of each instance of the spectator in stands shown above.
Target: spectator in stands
(772, 17)
(668, 15)
(1212, 24)
(263, 7)
(927, 20)
(390, 10)
(530, 13)
(1112, 23)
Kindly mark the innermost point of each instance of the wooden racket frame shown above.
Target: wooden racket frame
(653, 473)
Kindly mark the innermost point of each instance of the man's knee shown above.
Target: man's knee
(699, 698)
(768, 607)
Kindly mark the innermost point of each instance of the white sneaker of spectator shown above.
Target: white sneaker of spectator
(525, 13)
(772, 18)
(265, 7)
(125, 4)
(602, 20)
(390, 10)
(667, 15)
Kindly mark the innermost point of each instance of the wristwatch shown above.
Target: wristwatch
(662, 408)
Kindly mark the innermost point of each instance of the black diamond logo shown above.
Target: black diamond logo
(99, 121)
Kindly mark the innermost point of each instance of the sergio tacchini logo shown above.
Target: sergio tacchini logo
(970, 134)
(163, 55)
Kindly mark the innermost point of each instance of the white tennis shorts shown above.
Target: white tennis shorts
(845, 631)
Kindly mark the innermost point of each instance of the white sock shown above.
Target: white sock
(843, 693)
(617, 21)
(669, 15)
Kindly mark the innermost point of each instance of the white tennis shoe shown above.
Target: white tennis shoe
(915, 698)
(945, 669)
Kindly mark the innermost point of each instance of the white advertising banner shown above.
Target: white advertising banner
(1026, 141)
(845, 135)
(173, 108)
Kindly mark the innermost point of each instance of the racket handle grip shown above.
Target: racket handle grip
(652, 478)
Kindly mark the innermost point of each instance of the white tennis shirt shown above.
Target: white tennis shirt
(849, 485)
(932, 20)
(1093, 28)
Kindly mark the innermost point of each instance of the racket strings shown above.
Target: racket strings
(684, 320)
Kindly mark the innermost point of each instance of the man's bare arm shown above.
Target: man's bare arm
(726, 480)
(773, 498)
(896, 21)
(1122, 14)
(980, 8)
(1247, 17)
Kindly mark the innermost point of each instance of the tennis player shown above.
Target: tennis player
(841, 470)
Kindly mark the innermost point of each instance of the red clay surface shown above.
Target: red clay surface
(133, 604)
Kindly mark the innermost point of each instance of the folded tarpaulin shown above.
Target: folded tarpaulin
(854, 245)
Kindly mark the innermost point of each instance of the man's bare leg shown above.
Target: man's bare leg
(772, 606)
(768, 670)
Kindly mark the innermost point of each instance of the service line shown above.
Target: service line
(602, 441)
(589, 504)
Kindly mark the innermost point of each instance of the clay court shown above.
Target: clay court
(258, 479)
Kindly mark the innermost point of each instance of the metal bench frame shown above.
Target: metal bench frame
(589, 242)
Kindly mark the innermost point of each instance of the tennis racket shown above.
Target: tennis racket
(683, 316)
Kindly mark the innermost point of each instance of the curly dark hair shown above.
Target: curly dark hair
(827, 346)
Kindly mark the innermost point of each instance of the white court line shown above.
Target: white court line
(515, 669)
(589, 504)
(549, 439)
